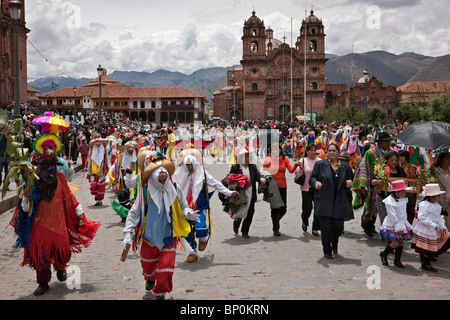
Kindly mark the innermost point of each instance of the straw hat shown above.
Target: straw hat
(129, 144)
(194, 152)
(103, 141)
(144, 152)
(158, 161)
(432, 189)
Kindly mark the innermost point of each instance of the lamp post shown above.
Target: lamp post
(311, 90)
(100, 73)
(15, 8)
(234, 96)
(74, 102)
(339, 107)
(324, 105)
(366, 77)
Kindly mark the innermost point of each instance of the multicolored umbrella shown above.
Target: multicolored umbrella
(50, 123)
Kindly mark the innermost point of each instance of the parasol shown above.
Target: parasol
(430, 135)
(50, 123)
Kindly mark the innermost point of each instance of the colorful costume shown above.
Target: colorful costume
(350, 146)
(98, 168)
(431, 237)
(126, 156)
(158, 219)
(49, 229)
(195, 187)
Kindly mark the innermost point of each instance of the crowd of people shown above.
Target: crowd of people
(158, 172)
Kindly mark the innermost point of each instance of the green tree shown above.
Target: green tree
(376, 114)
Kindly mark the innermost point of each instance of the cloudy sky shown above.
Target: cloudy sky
(187, 35)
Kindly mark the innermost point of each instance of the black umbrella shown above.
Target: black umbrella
(429, 135)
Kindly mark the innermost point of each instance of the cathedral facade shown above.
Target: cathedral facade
(276, 79)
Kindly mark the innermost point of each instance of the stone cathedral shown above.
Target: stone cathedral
(275, 78)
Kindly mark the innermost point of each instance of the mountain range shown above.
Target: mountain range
(389, 68)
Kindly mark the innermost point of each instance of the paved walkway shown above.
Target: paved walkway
(263, 267)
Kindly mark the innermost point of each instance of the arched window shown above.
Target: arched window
(254, 87)
(314, 85)
(254, 46)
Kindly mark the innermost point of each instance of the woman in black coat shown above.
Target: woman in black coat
(330, 179)
(254, 176)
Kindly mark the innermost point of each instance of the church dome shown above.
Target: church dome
(253, 20)
(312, 18)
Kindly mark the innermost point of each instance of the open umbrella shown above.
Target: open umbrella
(429, 135)
(50, 123)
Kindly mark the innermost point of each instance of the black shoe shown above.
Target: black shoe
(61, 275)
(328, 256)
(235, 228)
(43, 288)
(429, 267)
(426, 265)
(149, 284)
(304, 227)
(334, 248)
(315, 233)
(160, 297)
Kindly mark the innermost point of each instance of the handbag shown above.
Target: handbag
(301, 180)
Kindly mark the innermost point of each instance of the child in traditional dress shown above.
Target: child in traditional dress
(431, 237)
(396, 226)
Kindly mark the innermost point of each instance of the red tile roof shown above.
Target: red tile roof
(425, 86)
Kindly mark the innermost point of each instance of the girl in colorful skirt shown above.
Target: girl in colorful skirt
(396, 226)
(431, 237)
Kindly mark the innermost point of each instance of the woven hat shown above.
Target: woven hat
(157, 161)
(186, 152)
(129, 144)
(48, 140)
(103, 141)
(144, 152)
(432, 189)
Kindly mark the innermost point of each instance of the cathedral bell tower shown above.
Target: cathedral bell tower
(254, 39)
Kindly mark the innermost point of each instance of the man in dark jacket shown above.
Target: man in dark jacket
(244, 166)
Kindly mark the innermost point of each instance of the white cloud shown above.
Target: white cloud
(185, 36)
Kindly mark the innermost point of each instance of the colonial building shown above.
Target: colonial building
(421, 91)
(384, 96)
(7, 61)
(275, 78)
(145, 103)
